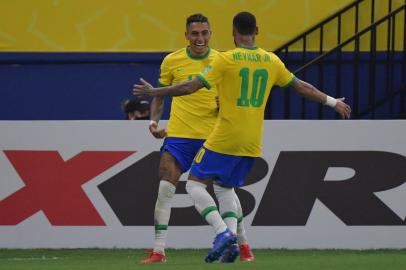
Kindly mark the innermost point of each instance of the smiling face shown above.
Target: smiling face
(198, 34)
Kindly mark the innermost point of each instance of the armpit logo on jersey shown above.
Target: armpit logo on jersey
(297, 180)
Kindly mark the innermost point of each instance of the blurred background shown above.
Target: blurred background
(78, 60)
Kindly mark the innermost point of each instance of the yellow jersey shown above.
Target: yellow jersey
(244, 78)
(192, 116)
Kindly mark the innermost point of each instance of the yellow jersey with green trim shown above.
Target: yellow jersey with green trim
(244, 78)
(192, 116)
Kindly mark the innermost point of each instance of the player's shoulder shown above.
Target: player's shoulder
(225, 54)
(180, 53)
(213, 52)
(262, 51)
(272, 55)
(269, 56)
(228, 52)
(229, 56)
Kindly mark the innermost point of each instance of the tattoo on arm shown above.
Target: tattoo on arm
(309, 91)
(180, 89)
(157, 106)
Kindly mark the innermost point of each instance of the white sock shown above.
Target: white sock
(162, 214)
(228, 206)
(205, 205)
(241, 235)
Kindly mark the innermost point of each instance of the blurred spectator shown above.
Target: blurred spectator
(136, 109)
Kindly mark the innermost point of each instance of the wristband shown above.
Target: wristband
(152, 122)
(330, 101)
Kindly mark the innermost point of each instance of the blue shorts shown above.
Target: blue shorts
(184, 150)
(227, 170)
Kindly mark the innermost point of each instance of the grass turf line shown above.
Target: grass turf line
(123, 259)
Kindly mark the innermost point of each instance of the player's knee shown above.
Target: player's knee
(166, 190)
(225, 197)
(223, 192)
(193, 185)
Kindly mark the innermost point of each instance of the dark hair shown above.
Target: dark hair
(135, 104)
(245, 23)
(196, 18)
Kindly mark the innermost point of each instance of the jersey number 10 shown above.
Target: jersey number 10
(258, 87)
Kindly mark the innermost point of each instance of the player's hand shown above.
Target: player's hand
(158, 133)
(144, 89)
(342, 108)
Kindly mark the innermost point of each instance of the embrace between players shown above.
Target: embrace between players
(218, 139)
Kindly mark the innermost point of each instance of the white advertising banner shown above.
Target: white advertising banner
(319, 184)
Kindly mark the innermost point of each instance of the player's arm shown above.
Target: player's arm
(312, 93)
(180, 89)
(157, 108)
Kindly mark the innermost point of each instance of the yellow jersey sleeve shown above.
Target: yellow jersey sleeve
(285, 78)
(165, 74)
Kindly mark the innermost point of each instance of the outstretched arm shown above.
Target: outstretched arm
(310, 92)
(181, 89)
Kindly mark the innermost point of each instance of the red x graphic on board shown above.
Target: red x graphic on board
(54, 186)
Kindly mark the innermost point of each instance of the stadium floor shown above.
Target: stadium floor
(122, 259)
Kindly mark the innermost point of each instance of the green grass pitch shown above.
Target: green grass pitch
(126, 259)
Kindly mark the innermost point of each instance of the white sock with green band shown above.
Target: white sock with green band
(205, 205)
(162, 213)
(228, 206)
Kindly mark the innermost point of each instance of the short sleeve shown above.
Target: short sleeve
(285, 77)
(165, 74)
